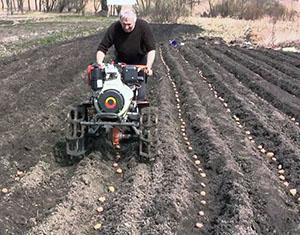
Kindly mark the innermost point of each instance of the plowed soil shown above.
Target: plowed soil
(228, 151)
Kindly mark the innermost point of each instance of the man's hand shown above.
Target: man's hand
(101, 65)
(149, 71)
(100, 57)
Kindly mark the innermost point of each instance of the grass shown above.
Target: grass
(263, 32)
(29, 32)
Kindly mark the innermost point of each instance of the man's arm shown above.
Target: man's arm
(150, 61)
(106, 43)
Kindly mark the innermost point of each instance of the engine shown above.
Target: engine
(111, 95)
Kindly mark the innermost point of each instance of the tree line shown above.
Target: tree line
(59, 6)
(162, 10)
(250, 9)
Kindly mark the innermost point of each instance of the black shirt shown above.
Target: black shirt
(132, 47)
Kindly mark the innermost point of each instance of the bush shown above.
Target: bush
(250, 10)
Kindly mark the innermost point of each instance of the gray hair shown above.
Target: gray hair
(128, 14)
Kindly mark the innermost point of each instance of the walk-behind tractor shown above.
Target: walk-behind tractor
(113, 111)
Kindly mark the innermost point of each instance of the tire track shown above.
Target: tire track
(271, 93)
(268, 73)
(283, 67)
(285, 146)
(249, 167)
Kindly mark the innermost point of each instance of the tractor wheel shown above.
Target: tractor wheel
(76, 133)
(148, 134)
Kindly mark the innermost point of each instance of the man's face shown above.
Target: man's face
(128, 24)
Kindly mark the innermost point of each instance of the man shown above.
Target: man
(133, 40)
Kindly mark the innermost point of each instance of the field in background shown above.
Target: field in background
(227, 151)
(261, 32)
(19, 33)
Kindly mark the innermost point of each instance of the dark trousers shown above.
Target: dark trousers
(142, 91)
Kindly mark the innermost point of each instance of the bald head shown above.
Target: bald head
(127, 20)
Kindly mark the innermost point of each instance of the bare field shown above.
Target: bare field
(260, 32)
(20, 33)
(228, 146)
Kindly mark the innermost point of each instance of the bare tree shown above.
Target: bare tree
(2, 4)
(144, 6)
(49, 5)
(29, 7)
(97, 5)
(9, 4)
(104, 6)
(20, 5)
(14, 5)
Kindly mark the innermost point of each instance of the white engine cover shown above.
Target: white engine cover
(113, 82)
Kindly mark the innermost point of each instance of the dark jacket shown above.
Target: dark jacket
(131, 48)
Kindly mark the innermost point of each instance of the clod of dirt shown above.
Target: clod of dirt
(119, 171)
(202, 193)
(100, 209)
(199, 225)
(27, 148)
(101, 199)
(97, 226)
(201, 213)
(111, 189)
(85, 179)
(4, 190)
(270, 154)
(293, 191)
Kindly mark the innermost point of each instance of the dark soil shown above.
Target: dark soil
(223, 92)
